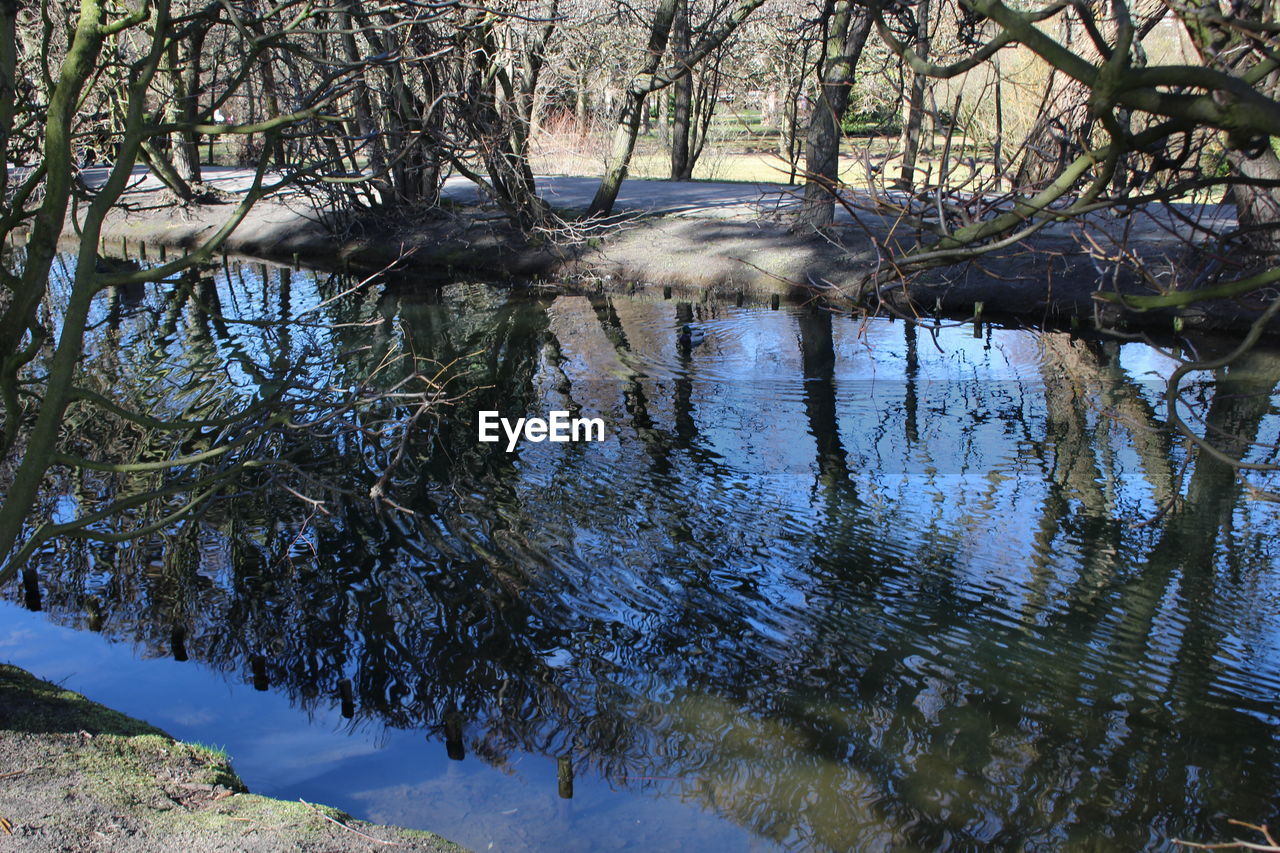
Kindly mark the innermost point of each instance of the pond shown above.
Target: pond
(827, 583)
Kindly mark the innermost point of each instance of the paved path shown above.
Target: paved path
(703, 198)
(725, 200)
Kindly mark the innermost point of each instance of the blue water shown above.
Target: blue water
(827, 584)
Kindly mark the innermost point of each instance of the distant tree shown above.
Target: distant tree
(694, 99)
(846, 24)
(652, 76)
(913, 101)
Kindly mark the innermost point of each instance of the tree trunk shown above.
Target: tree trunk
(704, 110)
(624, 135)
(665, 108)
(503, 114)
(371, 141)
(649, 79)
(19, 315)
(681, 166)
(847, 28)
(184, 73)
(270, 96)
(166, 172)
(524, 92)
(582, 106)
(1257, 207)
(789, 117)
(913, 106)
(624, 142)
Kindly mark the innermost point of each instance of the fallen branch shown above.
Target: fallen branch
(1237, 844)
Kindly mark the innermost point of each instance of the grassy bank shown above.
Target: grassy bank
(75, 775)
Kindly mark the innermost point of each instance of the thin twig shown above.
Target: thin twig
(349, 828)
(13, 773)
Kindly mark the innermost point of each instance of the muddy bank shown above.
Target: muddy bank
(77, 776)
(738, 247)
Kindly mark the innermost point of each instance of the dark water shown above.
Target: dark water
(826, 585)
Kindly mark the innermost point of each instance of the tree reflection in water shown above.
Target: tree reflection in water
(854, 589)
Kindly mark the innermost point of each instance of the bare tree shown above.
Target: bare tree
(650, 76)
(846, 25)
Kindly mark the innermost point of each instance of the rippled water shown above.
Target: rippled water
(826, 585)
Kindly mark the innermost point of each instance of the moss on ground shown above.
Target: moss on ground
(75, 775)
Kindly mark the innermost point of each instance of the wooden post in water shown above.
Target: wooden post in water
(564, 776)
(347, 697)
(453, 736)
(142, 251)
(739, 299)
(178, 643)
(774, 301)
(31, 588)
(977, 319)
(259, 666)
(164, 253)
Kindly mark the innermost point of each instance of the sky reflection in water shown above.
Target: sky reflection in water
(825, 586)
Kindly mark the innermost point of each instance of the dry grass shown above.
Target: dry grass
(747, 157)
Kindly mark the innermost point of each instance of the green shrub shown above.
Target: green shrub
(874, 122)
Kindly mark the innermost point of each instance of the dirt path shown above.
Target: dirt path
(76, 776)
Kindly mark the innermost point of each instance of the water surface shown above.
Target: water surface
(828, 584)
